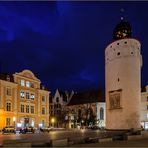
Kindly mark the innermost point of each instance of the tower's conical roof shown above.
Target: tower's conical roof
(122, 30)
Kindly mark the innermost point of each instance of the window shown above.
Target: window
(43, 123)
(27, 96)
(147, 115)
(22, 108)
(8, 121)
(57, 99)
(8, 91)
(101, 113)
(22, 82)
(27, 84)
(27, 108)
(8, 106)
(32, 96)
(43, 110)
(43, 98)
(32, 109)
(118, 53)
(22, 94)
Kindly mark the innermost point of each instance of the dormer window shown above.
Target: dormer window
(22, 82)
(8, 78)
(27, 84)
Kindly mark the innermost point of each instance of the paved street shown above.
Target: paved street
(72, 134)
(46, 137)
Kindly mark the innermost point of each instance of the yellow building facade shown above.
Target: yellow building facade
(23, 101)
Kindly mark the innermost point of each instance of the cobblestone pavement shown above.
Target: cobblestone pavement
(133, 143)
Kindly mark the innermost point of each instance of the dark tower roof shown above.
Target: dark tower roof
(122, 30)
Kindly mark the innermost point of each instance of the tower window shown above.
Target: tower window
(118, 53)
(118, 79)
(125, 42)
(131, 52)
(110, 46)
(117, 43)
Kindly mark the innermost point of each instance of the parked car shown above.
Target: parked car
(46, 129)
(27, 130)
(9, 129)
(95, 127)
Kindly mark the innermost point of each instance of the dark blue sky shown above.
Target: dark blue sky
(63, 43)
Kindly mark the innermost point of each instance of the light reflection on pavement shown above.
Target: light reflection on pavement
(52, 135)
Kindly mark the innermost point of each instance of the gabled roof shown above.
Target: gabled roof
(63, 94)
(92, 96)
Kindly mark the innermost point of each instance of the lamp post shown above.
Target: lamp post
(14, 119)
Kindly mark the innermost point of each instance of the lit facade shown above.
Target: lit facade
(123, 62)
(84, 109)
(23, 101)
(144, 108)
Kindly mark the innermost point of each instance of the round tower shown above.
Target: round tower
(123, 63)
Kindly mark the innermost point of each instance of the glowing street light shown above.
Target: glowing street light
(53, 121)
(14, 119)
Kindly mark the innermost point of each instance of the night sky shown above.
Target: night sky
(63, 43)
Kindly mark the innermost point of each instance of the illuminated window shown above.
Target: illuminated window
(22, 82)
(27, 108)
(43, 110)
(22, 108)
(22, 94)
(32, 109)
(32, 96)
(43, 123)
(27, 96)
(27, 84)
(8, 121)
(8, 91)
(8, 106)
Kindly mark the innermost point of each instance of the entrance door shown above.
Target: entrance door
(26, 122)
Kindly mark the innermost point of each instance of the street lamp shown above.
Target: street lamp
(53, 121)
(14, 119)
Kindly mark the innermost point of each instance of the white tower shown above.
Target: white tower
(123, 63)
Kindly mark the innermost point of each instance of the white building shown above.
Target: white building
(123, 63)
(144, 108)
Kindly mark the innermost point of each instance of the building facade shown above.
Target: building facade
(85, 109)
(57, 108)
(123, 61)
(23, 100)
(144, 108)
